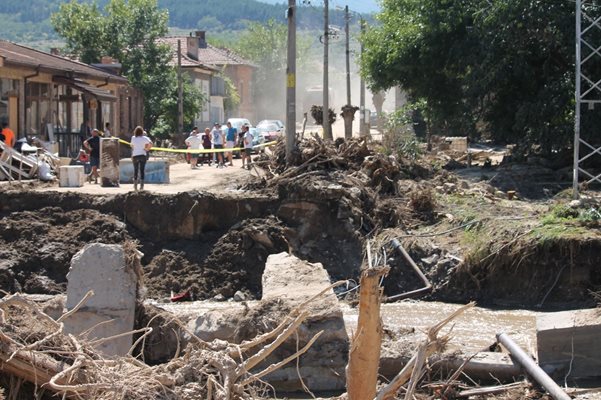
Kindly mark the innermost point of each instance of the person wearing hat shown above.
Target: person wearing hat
(218, 143)
(93, 146)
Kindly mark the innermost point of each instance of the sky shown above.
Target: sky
(362, 6)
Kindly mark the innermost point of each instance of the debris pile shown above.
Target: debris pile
(37, 163)
(35, 348)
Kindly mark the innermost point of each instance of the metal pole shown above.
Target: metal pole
(180, 91)
(348, 56)
(291, 82)
(531, 368)
(327, 134)
(414, 293)
(362, 126)
(578, 95)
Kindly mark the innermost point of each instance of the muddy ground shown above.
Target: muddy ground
(460, 228)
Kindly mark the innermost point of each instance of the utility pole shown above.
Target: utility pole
(291, 82)
(180, 91)
(362, 126)
(348, 56)
(327, 134)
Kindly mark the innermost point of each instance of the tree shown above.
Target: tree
(482, 66)
(128, 31)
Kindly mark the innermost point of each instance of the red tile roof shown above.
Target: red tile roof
(210, 56)
(21, 56)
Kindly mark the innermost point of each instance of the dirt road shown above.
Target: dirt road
(181, 177)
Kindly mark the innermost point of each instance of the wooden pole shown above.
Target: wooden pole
(364, 358)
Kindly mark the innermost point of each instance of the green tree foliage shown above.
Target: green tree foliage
(128, 31)
(166, 122)
(29, 21)
(503, 68)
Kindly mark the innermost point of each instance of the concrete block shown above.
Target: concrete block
(103, 269)
(293, 281)
(109, 162)
(71, 176)
(570, 337)
(157, 171)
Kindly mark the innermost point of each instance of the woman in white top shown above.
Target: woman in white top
(140, 145)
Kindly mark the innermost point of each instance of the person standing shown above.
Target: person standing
(206, 144)
(140, 146)
(194, 142)
(107, 130)
(248, 145)
(9, 135)
(93, 146)
(218, 143)
(231, 134)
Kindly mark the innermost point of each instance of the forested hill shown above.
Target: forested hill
(29, 21)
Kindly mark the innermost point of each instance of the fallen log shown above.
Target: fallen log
(37, 369)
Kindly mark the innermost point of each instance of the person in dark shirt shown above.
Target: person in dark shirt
(93, 145)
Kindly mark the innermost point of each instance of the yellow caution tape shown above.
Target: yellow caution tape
(201, 150)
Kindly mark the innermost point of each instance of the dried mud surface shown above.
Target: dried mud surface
(322, 208)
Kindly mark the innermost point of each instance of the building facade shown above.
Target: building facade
(53, 98)
(207, 65)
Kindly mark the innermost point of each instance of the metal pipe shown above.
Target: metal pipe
(577, 95)
(414, 293)
(532, 368)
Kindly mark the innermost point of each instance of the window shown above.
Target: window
(37, 107)
(217, 86)
(8, 88)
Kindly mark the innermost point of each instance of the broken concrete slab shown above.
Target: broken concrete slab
(111, 311)
(569, 341)
(293, 281)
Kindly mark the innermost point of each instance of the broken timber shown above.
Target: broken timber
(364, 358)
(38, 369)
(14, 165)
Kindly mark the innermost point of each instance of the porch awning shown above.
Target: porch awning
(98, 93)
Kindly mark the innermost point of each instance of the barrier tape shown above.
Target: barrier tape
(195, 151)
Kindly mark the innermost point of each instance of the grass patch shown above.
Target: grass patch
(564, 222)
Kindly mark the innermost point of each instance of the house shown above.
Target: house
(52, 97)
(206, 64)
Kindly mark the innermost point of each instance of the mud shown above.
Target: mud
(322, 208)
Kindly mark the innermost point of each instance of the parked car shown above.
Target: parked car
(270, 131)
(279, 123)
(257, 140)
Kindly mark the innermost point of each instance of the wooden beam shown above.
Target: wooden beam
(37, 369)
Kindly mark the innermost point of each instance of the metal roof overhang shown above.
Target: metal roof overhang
(100, 94)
